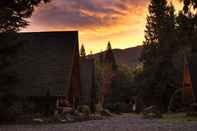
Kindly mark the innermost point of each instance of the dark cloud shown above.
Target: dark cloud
(83, 13)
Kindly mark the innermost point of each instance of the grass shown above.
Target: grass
(177, 118)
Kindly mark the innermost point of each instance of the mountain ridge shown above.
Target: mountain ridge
(129, 56)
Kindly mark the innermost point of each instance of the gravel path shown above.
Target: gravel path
(118, 123)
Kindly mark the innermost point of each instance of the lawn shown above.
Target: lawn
(178, 118)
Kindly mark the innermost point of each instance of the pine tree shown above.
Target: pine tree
(82, 51)
(187, 23)
(158, 50)
(188, 4)
(109, 57)
(13, 13)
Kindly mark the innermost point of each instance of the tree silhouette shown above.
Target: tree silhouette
(82, 51)
(13, 13)
(158, 50)
(188, 4)
(109, 57)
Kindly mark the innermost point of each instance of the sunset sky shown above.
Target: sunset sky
(121, 22)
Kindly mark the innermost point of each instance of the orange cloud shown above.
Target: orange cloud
(120, 21)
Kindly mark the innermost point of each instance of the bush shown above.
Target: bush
(176, 103)
(84, 109)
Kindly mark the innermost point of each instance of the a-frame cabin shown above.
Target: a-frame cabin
(46, 66)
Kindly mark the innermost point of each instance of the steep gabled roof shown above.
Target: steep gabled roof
(44, 63)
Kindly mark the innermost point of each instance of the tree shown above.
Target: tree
(158, 50)
(13, 13)
(188, 4)
(82, 51)
(109, 57)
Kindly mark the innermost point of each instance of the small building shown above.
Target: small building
(193, 72)
(87, 73)
(47, 68)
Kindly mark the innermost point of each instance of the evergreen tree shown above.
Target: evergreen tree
(13, 13)
(188, 4)
(158, 50)
(82, 51)
(187, 23)
(109, 57)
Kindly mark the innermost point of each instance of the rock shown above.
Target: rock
(67, 109)
(96, 117)
(152, 112)
(69, 118)
(106, 113)
(39, 120)
(63, 120)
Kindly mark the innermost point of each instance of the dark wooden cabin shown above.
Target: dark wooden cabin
(193, 72)
(47, 66)
(87, 73)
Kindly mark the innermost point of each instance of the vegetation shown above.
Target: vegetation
(82, 51)
(158, 53)
(117, 85)
(169, 42)
(177, 118)
(13, 13)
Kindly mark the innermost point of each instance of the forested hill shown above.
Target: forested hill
(129, 56)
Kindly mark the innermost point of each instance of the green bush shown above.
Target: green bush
(84, 109)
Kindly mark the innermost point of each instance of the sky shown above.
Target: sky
(122, 22)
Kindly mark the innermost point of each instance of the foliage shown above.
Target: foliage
(109, 57)
(105, 71)
(188, 4)
(122, 85)
(84, 109)
(178, 118)
(176, 101)
(82, 51)
(13, 13)
(169, 44)
(157, 54)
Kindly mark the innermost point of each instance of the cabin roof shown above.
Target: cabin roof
(44, 62)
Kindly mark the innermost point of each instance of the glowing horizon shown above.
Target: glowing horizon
(98, 21)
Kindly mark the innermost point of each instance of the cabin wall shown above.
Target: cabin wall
(87, 73)
(193, 72)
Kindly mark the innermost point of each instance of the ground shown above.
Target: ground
(126, 122)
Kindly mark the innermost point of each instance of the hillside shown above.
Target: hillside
(127, 56)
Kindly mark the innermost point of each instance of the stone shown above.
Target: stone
(152, 112)
(106, 112)
(38, 120)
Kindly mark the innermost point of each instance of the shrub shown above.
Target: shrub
(84, 109)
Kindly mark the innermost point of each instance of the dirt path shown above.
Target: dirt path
(118, 123)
